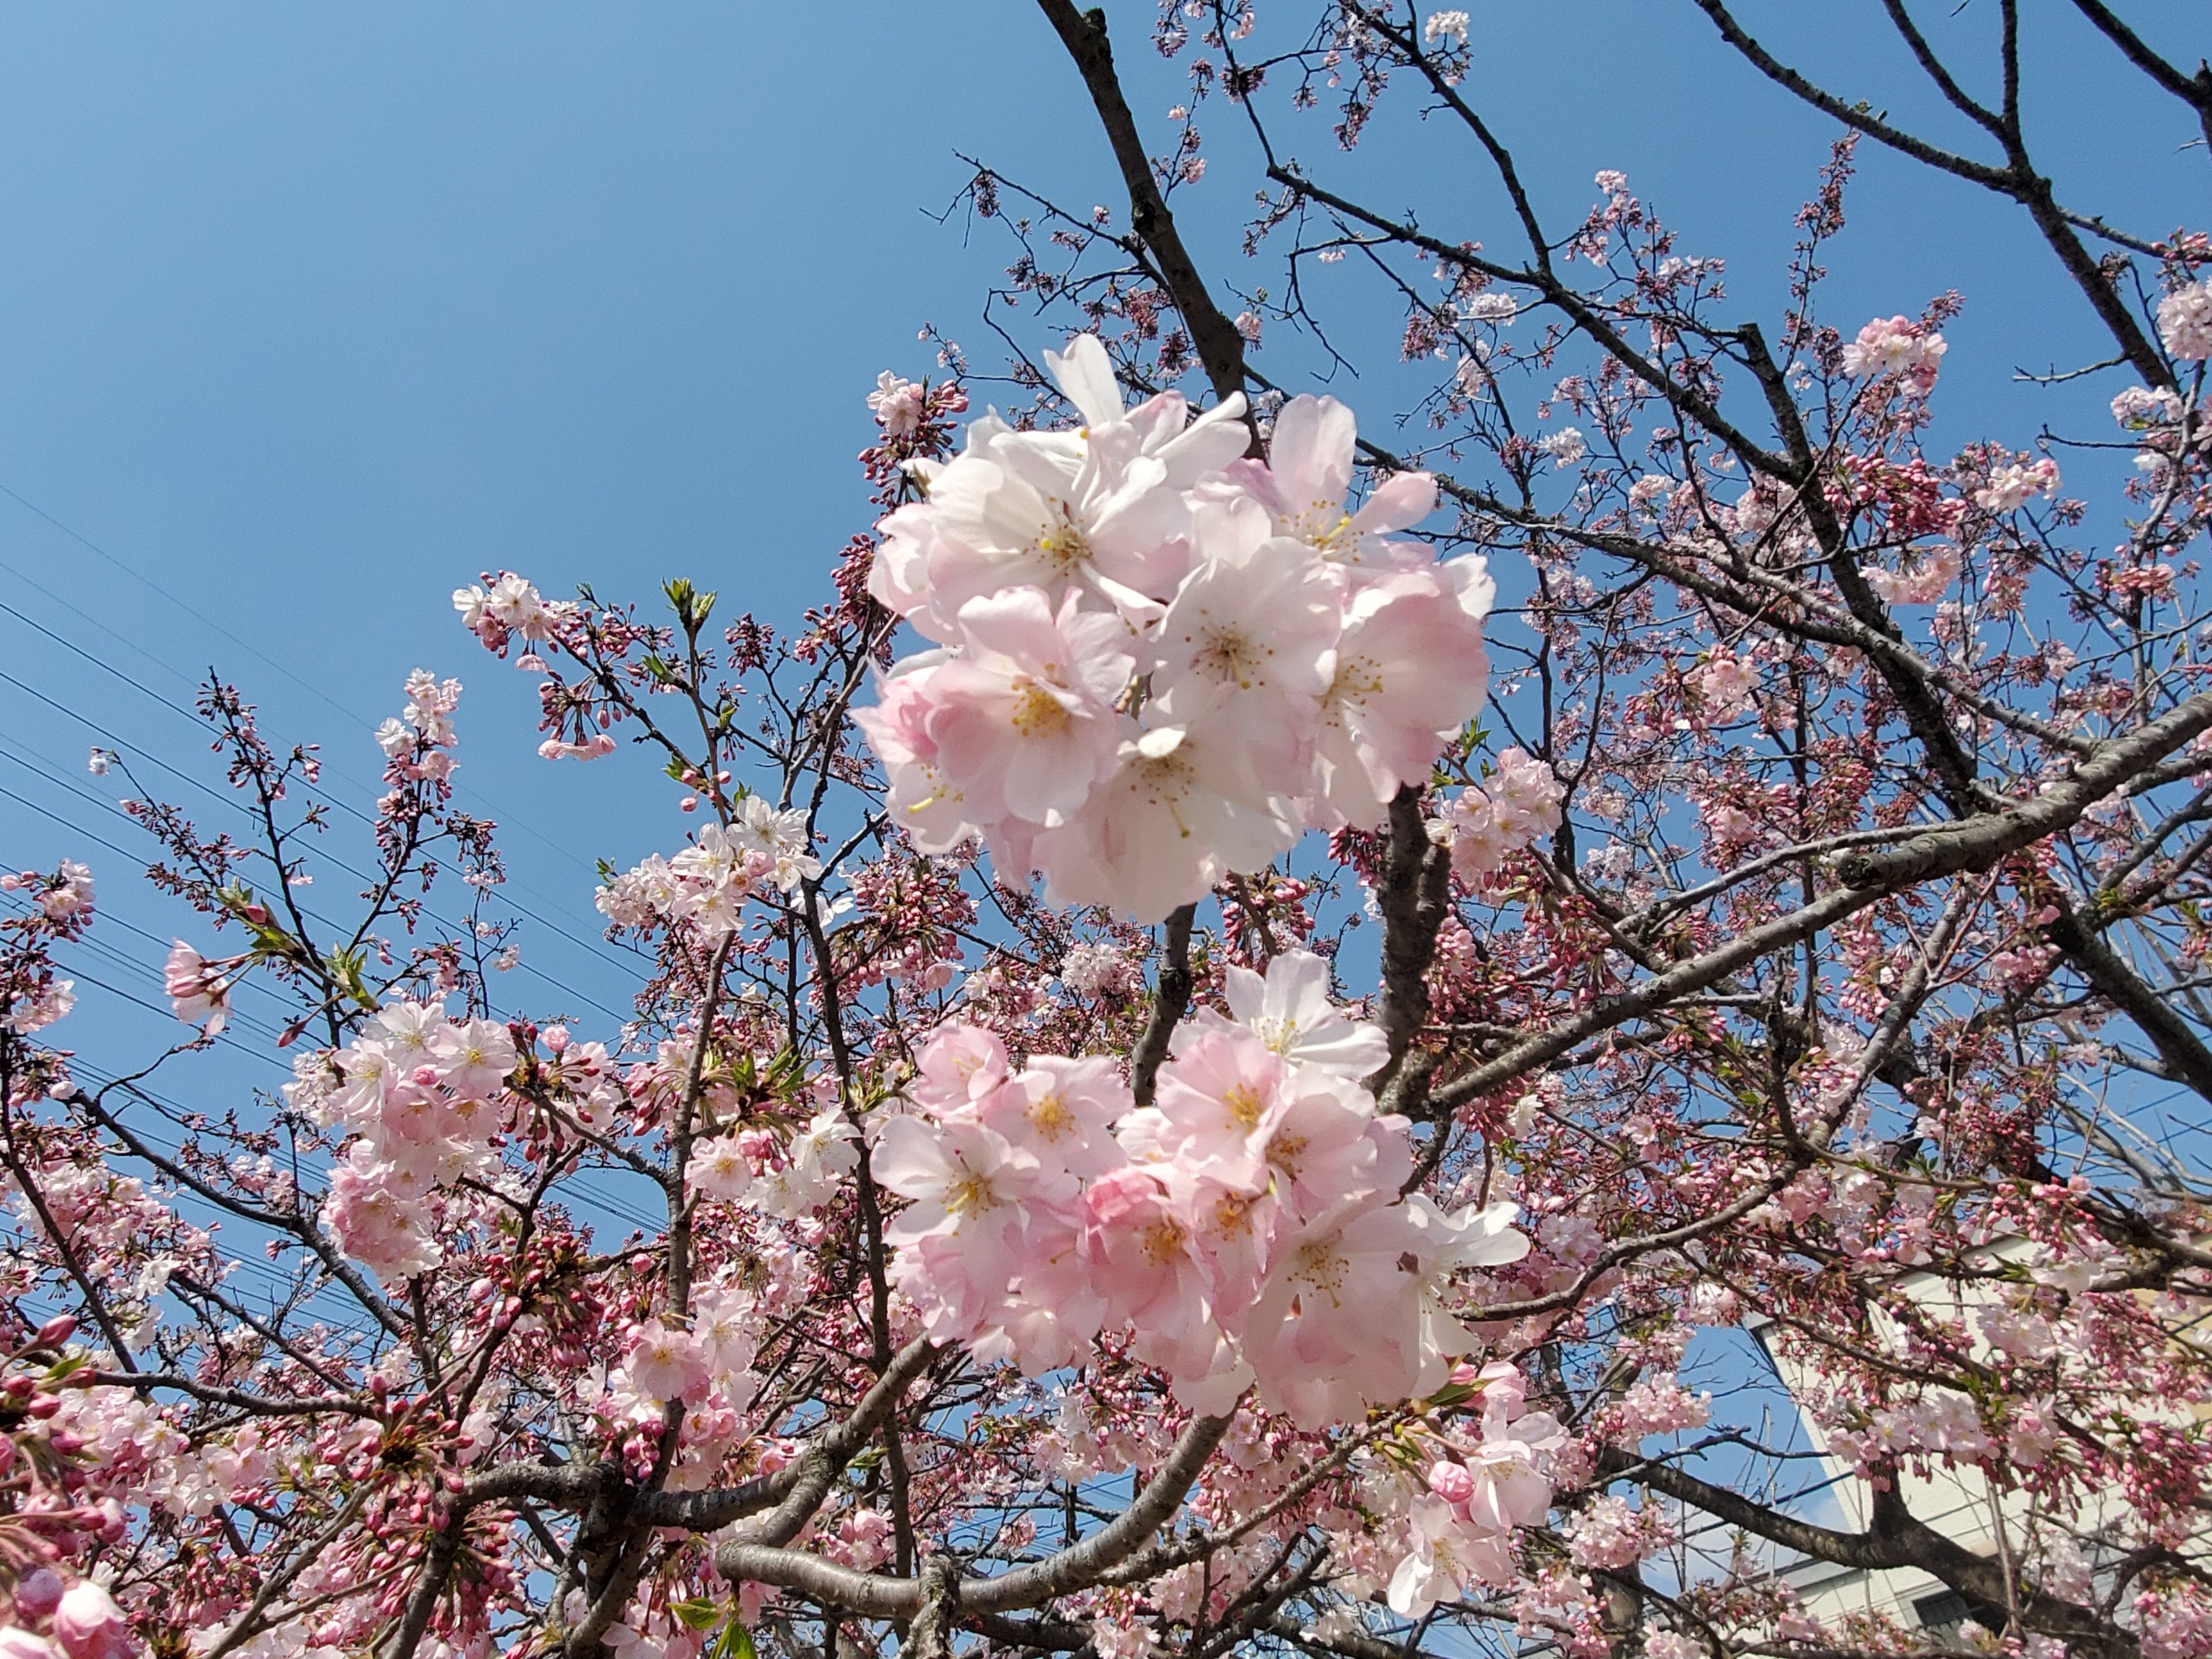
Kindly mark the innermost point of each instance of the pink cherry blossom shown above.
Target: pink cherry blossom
(198, 990)
(2186, 322)
(664, 1363)
(1307, 476)
(1410, 672)
(87, 1624)
(1023, 719)
(1896, 345)
(1289, 1010)
(1517, 802)
(1181, 810)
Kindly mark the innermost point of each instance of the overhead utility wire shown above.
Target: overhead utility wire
(307, 685)
(330, 799)
(52, 768)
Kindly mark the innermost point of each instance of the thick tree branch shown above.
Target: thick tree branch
(1414, 897)
(1220, 348)
(1973, 844)
(1170, 1000)
(799, 1489)
(1895, 1539)
(1080, 1565)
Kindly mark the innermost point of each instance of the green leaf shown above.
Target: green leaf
(349, 970)
(699, 1613)
(691, 607)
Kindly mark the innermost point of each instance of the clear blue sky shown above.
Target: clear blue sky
(310, 313)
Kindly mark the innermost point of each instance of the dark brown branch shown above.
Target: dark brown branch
(1414, 897)
(2194, 90)
(1894, 1539)
(2016, 179)
(1170, 1002)
(2187, 1060)
(1975, 844)
(1220, 348)
(1078, 1565)
(799, 1489)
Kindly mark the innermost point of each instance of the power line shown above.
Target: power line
(248, 646)
(169, 1110)
(47, 767)
(333, 800)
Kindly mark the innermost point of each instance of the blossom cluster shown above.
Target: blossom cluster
(1896, 345)
(199, 991)
(418, 744)
(59, 907)
(47, 1610)
(707, 884)
(1246, 1227)
(783, 1175)
(2186, 322)
(80, 1620)
(1460, 1528)
(510, 608)
(1155, 659)
(1508, 810)
(423, 1096)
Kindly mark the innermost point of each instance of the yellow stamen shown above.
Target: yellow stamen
(1037, 714)
(1244, 1106)
(1051, 1117)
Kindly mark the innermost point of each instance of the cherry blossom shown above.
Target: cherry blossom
(1517, 802)
(1896, 345)
(2186, 322)
(1735, 875)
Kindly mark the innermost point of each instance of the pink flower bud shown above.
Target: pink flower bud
(1451, 1481)
(40, 1592)
(90, 1625)
(56, 1331)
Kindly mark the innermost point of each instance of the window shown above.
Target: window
(1941, 1616)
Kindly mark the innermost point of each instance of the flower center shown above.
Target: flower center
(1038, 713)
(1244, 1106)
(1233, 1215)
(1231, 654)
(1327, 527)
(1051, 1117)
(970, 1195)
(1320, 1268)
(1356, 679)
(1162, 1242)
(1063, 545)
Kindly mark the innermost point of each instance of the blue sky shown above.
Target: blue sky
(310, 313)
